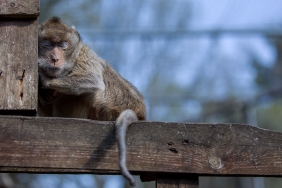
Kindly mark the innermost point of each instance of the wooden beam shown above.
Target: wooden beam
(60, 145)
(19, 8)
(18, 66)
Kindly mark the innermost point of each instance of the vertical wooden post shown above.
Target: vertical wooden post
(18, 56)
(177, 181)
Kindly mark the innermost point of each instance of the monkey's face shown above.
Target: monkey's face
(52, 58)
(56, 45)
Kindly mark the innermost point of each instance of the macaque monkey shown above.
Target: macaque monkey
(74, 82)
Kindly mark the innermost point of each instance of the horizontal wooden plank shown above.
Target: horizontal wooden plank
(60, 145)
(19, 8)
(18, 66)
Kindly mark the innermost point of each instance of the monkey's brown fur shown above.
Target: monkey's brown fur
(75, 82)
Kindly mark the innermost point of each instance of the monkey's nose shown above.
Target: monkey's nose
(54, 58)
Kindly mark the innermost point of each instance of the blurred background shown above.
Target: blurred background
(193, 60)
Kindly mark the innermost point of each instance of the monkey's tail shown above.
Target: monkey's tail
(123, 121)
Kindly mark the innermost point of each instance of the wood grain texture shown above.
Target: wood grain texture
(59, 145)
(18, 64)
(19, 8)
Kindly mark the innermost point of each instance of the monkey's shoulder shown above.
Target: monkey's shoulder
(88, 56)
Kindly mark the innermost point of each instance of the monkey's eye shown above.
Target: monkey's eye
(46, 44)
(62, 45)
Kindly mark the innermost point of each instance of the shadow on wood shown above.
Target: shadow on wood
(100, 152)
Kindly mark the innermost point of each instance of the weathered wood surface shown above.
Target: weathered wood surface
(47, 145)
(19, 8)
(18, 64)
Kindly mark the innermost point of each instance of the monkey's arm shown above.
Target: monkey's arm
(74, 85)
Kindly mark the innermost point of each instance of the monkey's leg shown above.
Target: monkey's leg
(123, 121)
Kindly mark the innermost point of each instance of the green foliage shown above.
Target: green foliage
(270, 117)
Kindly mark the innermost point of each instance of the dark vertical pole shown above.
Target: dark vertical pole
(177, 181)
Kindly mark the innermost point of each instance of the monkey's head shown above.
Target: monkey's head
(57, 48)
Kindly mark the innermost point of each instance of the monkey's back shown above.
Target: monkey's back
(119, 95)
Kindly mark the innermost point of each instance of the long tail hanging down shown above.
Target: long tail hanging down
(123, 121)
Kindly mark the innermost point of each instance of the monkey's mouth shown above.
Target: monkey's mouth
(52, 71)
(52, 67)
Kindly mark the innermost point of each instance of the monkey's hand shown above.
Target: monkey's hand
(44, 82)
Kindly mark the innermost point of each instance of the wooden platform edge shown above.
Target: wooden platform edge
(62, 145)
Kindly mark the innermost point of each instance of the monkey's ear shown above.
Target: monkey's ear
(73, 27)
